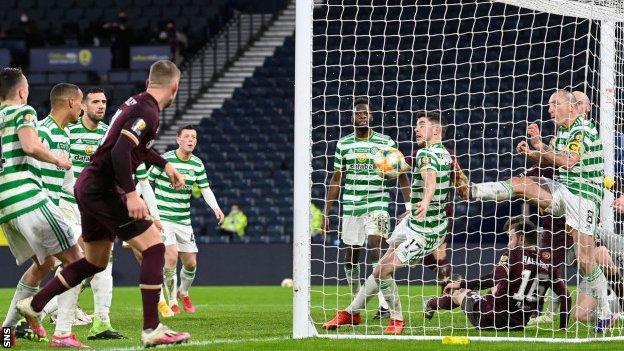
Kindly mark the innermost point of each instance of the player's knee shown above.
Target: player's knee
(582, 314)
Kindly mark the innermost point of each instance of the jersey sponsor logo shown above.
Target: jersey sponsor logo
(82, 158)
(360, 167)
(138, 126)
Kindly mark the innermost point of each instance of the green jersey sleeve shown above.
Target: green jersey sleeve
(26, 117)
(141, 172)
(339, 161)
(426, 160)
(154, 172)
(202, 180)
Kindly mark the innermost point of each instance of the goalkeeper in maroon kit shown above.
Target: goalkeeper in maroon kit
(518, 284)
(111, 207)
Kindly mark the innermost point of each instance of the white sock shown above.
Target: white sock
(102, 286)
(390, 291)
(353, 278)
(380, 296)
(598, 284)
(66, 311)
(51, 307)
(498, 191)
(369, 289)
(186, 280)
(171, 282)
(22, 291)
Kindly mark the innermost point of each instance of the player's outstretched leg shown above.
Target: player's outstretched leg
(375, 244)
(380, 279)
(72, 275)
(187, 275)
(149, 243)
(444, 302)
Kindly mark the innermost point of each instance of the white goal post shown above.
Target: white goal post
(603, 34)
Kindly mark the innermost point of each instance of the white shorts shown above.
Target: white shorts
(42, 232)
(580, 213)
(179, 234)
(411, 246)
(355, 229)
(72, 215)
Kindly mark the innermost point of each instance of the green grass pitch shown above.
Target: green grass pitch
(259, 318)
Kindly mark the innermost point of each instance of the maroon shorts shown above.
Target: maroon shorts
(104, 214)
(479, 310)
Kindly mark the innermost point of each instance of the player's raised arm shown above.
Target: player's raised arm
(562, 104)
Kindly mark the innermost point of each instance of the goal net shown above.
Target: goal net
(489, 67)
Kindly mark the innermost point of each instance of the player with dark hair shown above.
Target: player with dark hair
(173, 207)
(420, 231)
(365, 196)
(518, 284)
(33, 225)
(110, 206)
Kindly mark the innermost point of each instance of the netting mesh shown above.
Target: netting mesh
(490, 68)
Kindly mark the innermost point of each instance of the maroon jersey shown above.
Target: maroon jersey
(137, 120)
(520, 279)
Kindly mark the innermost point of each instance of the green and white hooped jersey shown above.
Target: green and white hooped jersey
(57, 139)
(437, 158)
(173, 204)
(20, 176)
(364, 190)
(141, 172)
(82, 144)
(586, 177)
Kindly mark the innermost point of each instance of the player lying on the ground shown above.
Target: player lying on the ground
(173, 207)
(576, 193)
(518, 284)
(365, 196)
(418, 233)
(100, 192)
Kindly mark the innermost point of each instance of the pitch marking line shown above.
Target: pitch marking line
(206, 343)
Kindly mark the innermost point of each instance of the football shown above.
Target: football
(287, 283)
(389, 163)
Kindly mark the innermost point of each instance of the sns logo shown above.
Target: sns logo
(6, 337)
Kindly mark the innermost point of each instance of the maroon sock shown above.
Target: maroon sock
(442, 303)
(151, 274)
(73, 274)
(444, 269)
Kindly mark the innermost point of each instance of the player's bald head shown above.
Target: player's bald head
(62, 92)
(163, 73)
(563, 95)
(11, 80)
(582, 102)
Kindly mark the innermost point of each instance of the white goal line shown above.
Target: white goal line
(471, 338)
